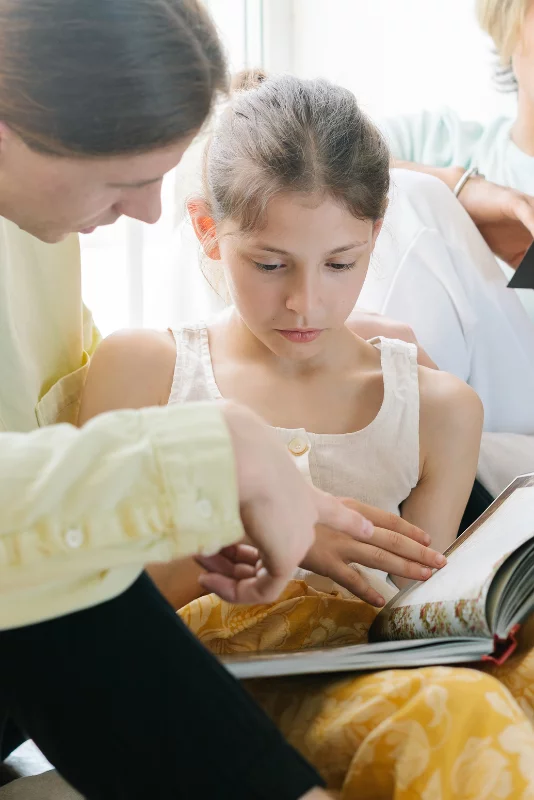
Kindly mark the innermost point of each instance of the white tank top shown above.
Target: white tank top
(378, 465)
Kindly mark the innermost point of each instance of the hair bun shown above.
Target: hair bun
(247, 79)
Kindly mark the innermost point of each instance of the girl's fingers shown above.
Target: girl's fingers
(396, 543)
(224, 566)
(335, 514)
(384, 560)
(388, 521)
(354, 582)
(262, 588)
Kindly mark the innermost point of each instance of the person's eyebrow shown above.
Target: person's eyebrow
(343, 249)
(136, 184)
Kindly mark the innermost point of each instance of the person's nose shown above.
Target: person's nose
(142, 204)
(303, 293)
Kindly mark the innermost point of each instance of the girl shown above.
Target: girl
(296, 180)
(291, 219)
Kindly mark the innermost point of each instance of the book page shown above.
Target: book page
(453, 600)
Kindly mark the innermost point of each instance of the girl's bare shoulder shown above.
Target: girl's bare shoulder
(447, 402)
(130, 369)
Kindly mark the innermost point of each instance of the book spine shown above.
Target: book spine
(503, 648)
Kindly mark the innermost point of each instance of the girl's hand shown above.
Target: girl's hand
(279, 511)
(387, 520)
(396, 547)
(237, 562)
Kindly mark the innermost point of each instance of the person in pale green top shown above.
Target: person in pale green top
(503, 149)
(443, 139)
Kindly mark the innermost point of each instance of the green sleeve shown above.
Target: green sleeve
(439, 139)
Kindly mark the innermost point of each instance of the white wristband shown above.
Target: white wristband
(473, 172)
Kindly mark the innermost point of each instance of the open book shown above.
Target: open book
(470, 610)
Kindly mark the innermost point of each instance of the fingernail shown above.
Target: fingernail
(427, 539)
(426, 573)
(368, 528)
(441, 560)
(380, 601)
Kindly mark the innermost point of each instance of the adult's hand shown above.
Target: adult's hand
(504, 216)
(279, 510)
(397, 547)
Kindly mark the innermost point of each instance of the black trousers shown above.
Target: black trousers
(126, 703)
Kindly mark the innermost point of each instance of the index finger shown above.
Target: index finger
(335, 514)
(389, 521)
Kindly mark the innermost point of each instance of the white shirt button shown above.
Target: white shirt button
(298, 446)
(205, 508)
(74, 538)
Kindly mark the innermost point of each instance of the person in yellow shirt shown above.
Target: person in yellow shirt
(97, 102)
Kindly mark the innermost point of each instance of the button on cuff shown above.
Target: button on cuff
(204, 508)
(74, 538)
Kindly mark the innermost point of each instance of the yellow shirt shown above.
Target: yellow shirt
(83, 510)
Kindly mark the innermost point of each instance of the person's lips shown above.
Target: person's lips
(301, 335)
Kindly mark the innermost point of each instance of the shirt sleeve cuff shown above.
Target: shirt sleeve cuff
(195, 457)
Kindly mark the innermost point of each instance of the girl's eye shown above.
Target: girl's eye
(341, 267)
(267, 267)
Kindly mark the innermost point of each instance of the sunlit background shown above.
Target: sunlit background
(397, 56)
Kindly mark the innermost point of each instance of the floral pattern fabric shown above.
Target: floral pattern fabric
(435, 733)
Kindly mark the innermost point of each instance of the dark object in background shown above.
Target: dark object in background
(523, 277)
(479, 500)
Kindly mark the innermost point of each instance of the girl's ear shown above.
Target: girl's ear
(204, 226)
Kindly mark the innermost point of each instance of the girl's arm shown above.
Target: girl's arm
(130, 369)
(451, 418)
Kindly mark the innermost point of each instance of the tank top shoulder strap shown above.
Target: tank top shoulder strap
(193, 375)
(400, 423)
(399, 368)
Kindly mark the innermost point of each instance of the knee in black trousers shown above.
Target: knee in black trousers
(126, 703)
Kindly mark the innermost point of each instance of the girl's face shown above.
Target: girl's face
(296, 280)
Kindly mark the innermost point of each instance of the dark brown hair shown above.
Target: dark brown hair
(105, 77)
(288, 134)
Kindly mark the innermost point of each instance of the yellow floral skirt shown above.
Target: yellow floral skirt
(434, 733)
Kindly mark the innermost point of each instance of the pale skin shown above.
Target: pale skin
(53, 196)
(293, 275)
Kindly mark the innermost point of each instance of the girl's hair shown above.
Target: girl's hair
(503, 21)
(284, 134)
(106, 77)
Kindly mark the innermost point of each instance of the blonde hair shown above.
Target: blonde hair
(502, 20)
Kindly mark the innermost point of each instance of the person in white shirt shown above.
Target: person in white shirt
(503, 149)
(436, 276)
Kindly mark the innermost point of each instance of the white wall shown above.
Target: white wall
(399, 56)
(396, 55)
